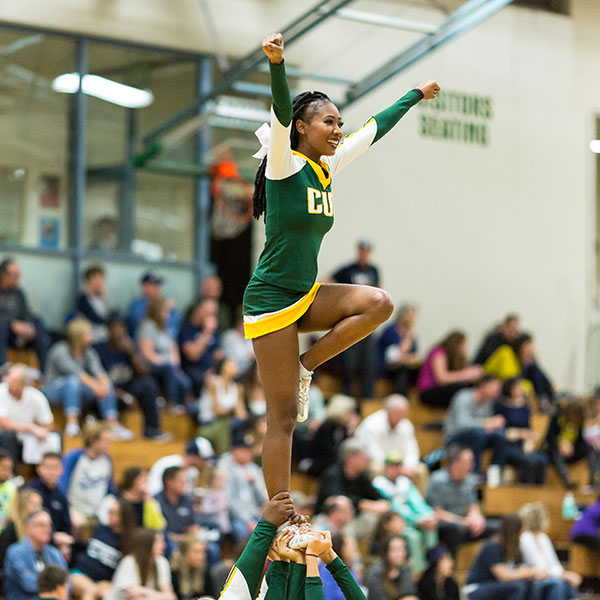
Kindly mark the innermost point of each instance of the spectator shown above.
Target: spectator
(445, 371)
(53, 583)
(189, 570)
(87, 476)
(438, 581)
(130, 374)
(591, 434)
(339, 424)
(471, 421)
(389, 430)
(134, 489)
(151, 285)
(55, 502)
(7, 487)
(420, 530)
(26, 559)
(212, 287)
(586, 530)
(349, 477)
(390, 578)
(398, 350)
(193, 460)
(518, 360)
(199, 342)
(504, 334)
(18, 327)
(564, 441)
(26, 501)
(94, 304)
(145, 573)
(176, 506)
(358, 361)
(537, 551)
(338, 512)
(25, 418)
(389, 524)
(521, 439)
(94, 568)
(75, 377)
(498, 574)
(453, 495)
(221, 406)
(159, 348)
(236, 346)
(245, 486)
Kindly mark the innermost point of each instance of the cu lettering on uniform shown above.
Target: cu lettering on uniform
(319, 202)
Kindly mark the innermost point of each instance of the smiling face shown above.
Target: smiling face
(321, 132)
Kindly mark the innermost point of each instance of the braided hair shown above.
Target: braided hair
(301, 105)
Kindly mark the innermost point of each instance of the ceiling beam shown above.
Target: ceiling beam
(467, 16)
(360, 16)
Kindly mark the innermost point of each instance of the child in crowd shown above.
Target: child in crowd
(7, 488)
(189, 570)
(438, 581)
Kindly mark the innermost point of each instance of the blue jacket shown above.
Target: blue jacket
(20, 574)
(69, 462)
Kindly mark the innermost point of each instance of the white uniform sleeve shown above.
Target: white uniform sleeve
(281, 161)
(351, 147)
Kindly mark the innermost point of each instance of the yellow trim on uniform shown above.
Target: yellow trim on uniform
(371, 120)
(229, 579)
(320, 169)
(275, 321)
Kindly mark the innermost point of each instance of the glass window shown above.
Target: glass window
(33, 129)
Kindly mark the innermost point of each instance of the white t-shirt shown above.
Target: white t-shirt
(537, 551)
(128, 575)
(89, 483)
(155, 484)
(33, 407)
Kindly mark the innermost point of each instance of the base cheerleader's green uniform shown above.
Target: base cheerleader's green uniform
(300, 211)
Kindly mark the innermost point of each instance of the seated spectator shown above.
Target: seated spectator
(390, 430)
(145, 573)
(211, 287)
(564, 441)
(445, 371)
(26, 501)
(498, 572)
(18, 327)
(452, 493)
(8, 489)
(151, 285)
(130, 374)
(537, 550)
(193, 460)
(349, 477)
(504, 334)
(134, 489)
(26, 559)
(53, 583)
(390, 578)
(518, 360)
(55, 502)
(389, 524)
(87, 476)
(94, 568)
(521, 439)
(420, 530)
(339, 424)
(25, 418)
(189, 570)
(398, 350)
(346, 548)
(471, 421)
(199, 342)
(94, 304)
(75, 378)
(586, 530)
(438, 581)
(245, 486)
(591, 434)
(176, 506)
(159, 348)
(338, 512)
(236, 346)
(221, 405)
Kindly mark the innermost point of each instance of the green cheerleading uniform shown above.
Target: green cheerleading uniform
(300, 211)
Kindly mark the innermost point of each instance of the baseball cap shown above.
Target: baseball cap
(393, 457)
(243, 439)
(152, 277)
(364, 243)
(434, 554)
(200, 447)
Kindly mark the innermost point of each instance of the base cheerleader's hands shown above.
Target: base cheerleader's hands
(321, 546)
(280, 546)
(429, 88)
(272, 46)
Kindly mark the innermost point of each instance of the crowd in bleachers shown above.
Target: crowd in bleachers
(399, 516)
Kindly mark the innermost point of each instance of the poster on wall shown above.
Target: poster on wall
(49, 191)
(49, 232)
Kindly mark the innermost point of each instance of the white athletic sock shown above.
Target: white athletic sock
(304, 372)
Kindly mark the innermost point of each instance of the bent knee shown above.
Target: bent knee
(381, 305)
